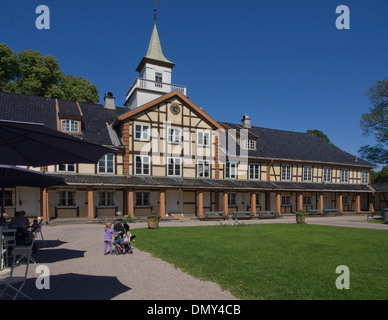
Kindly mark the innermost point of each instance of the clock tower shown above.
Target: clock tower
(154, 76)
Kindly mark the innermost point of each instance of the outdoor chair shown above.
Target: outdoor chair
(29, 247)
(39, 230)
(10, 281)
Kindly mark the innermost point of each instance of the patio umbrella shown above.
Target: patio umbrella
(34, 144)
(12, 176)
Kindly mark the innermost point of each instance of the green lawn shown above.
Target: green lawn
(277, 261)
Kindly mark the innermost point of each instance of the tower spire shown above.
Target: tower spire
(156, 2)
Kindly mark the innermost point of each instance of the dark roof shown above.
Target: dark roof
(96, 119)
(17, 107)
(380, 187)
(188, 183)
(289, 145)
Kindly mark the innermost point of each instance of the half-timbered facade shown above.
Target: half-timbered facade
(173, 158)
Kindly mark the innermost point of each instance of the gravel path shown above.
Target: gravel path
(79, 270)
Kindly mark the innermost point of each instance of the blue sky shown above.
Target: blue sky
(282, 62)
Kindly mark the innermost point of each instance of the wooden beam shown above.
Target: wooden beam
(90, 204)
(200, 204)
(162, 204)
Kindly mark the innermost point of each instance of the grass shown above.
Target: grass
(277, 261)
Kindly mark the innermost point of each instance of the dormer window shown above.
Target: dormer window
(250, 144)
(69, 125)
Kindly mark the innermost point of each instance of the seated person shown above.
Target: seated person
(19, 220)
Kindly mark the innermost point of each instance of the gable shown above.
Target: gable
(175, 108)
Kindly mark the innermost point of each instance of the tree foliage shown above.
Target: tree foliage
(31, 73)
(319, 134)
(376, 122)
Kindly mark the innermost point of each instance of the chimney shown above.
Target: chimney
(246, 122)
(109, 101)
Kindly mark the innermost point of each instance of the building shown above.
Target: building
(173, 158)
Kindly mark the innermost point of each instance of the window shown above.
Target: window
(174, 135)
(345, 201)
(307, 174)
(307, 200)
(66, 198)
(364, 176)
(106, 164)
(258, 200)
(286, 200)
(344, 175)
(254, 171)
(105, 198)
(69, 125)
(158, 79)
(286, 173)
(230, 170)
(174, 167)
(203, 168)
(142, 165)
(66, 168)
(7, 198)
(250, 144)
(326, 175)
(142, 199)
(203, 138)
(231, 199)
(142, 132)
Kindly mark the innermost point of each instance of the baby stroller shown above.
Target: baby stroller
(123, 239)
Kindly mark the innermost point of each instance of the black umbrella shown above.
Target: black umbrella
(11, 176)
(34, 144)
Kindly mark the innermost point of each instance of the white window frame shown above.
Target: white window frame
(143, 134)
(158, 79)
(103, 165)
(250, 144)
(8, 198)
(176, 162)
(203, 138)
(230, 170)
(174, 135)
(326, 174)
(344, 175)
(144, 160)
(307, 173)
(254, 170)
(205, 165)
(364, 176)
(66, 167)
(286, 172)
(106, 199)
(69, 125)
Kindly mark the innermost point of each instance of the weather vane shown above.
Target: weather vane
(156, 2)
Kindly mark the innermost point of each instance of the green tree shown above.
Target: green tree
(9, 67)
(380, 176)
(78, 88)
(319, 134)
(31, 73)
(376, 121)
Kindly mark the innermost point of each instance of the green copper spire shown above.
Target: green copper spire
(155, 49)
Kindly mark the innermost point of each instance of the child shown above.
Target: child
(108, 237)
